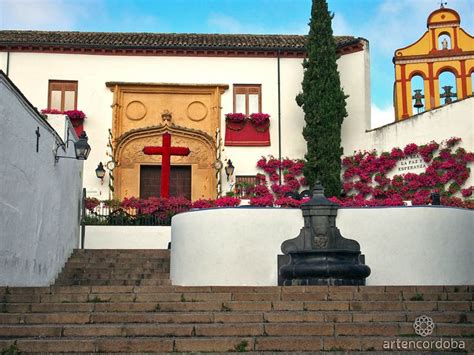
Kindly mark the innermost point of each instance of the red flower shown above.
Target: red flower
(259, 118)
(203, 203)
(227, 201)
(467, 192)
(75, 115)
(235, 117)
(410, 149)
(451, 142)
(52, 111)
(265, 201)
(91, 203)
(287, 202)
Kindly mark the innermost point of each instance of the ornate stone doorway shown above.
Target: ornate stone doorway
(143, 114)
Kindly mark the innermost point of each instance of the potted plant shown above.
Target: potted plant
(235, 121)
(261, 121)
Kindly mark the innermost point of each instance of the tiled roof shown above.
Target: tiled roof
(160, 40)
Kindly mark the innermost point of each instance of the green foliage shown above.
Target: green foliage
(242, 346)
(417, 297)
(97, 300)
(323, 103)
(11, 350)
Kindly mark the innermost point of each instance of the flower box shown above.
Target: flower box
(75, 116)
(251, 131)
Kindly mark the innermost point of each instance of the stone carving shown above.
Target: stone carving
(320, 255)
(166, 116)
(197, 111)
(135, 110)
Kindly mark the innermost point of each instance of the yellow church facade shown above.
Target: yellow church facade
(444, 48)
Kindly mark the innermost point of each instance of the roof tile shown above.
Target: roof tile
(160, 40)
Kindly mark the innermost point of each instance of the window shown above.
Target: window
(247, 99)
(243, 185)
(62, 95)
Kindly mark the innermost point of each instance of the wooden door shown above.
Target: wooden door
(180, 181)
(150, 181)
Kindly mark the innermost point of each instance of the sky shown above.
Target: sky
(387, 24)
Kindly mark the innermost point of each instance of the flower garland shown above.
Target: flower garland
(366, 182)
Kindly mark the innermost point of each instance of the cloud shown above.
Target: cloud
(42, 15)
(225, 24)
(381, 116)
(340, 26)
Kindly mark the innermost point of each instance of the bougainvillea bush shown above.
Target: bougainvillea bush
(366, 180)
(150, 211)
(271, 189)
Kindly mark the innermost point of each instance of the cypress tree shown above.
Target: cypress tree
(323, 103)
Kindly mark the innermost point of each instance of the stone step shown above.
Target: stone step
(124, 282)
(213, 344)
(147, 302)
(113, 276)
(297, 293)
(85, 294)
(116, 270)
(122, 251)
(87, 314)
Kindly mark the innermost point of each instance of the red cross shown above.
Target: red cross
(166, 151)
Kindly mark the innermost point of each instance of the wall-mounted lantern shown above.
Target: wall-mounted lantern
(229, 169)
(81, 148)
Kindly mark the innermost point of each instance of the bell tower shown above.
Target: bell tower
(435, 70)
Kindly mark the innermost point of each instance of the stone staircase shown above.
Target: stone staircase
(123, 301)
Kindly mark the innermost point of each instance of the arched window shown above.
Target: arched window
(444, 41)
(418, 93)
(447, 87)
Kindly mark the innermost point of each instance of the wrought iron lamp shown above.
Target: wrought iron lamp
(100, 171)
(81, 148)
(229, 169)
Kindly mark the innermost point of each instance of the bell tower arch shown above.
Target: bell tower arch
(444, 47)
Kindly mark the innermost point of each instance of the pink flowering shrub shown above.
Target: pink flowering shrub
(263, 201)
(51, 111)
(203, 203)
(227, 201)
(235, 117)
(75, 115)
(91, 203)
(365, 182)
(259, 118)
(288, 202)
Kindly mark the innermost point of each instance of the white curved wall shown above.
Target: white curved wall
(402, 246)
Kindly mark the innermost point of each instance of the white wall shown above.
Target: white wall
(402, 246)
(127, 237)
(31, 72)
(39, 200)
(454, 120)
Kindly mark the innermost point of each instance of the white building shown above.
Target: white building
(125, 82)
